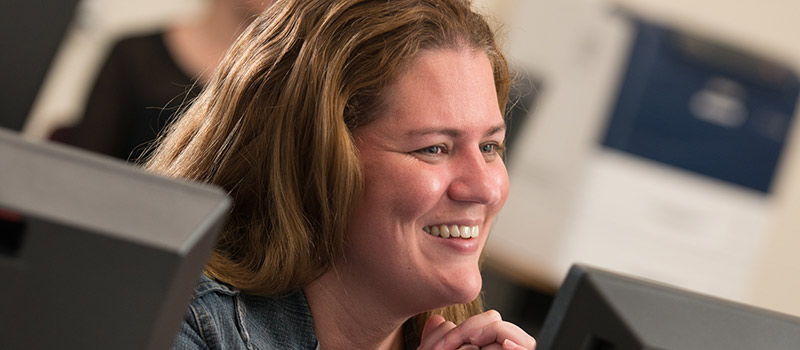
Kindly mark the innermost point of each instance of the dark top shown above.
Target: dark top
(137, 93)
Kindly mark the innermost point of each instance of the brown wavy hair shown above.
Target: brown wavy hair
(273, 128)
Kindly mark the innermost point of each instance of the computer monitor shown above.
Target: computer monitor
(601, 310)
(32, 32)
(94, 252)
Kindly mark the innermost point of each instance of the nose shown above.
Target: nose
(477, 181)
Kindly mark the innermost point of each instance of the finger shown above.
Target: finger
(494, 346)
(500, 332)
(469, 328)
(435, 336)
(469, 347)
(431, 324)
(508, 344)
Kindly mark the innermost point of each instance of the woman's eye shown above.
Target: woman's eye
(432, 150)
(492, 148)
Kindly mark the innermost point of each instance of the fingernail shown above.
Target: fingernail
(509, 344)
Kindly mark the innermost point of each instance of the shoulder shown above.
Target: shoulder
(223, 317)
(207, 287)
(279, 322)
(213, 300)
(211, 320)
(130, 56)
(140, 51)
(133, 43)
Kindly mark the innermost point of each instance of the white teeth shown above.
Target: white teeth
(445, 231)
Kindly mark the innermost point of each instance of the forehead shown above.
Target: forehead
(443, 85)
(444, 69)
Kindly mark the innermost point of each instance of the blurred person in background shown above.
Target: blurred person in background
(147, 78)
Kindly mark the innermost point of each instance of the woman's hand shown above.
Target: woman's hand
(483, 331)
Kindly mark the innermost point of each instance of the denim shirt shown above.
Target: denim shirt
(222, 317)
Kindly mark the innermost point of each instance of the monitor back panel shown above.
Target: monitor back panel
(96, 253)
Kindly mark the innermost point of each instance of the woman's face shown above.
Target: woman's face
(431, 162)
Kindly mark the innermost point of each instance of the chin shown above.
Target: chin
(446, 294)
(466, 290)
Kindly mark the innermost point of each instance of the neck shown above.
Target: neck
(199, 45)
(223, 22)
(347, 318)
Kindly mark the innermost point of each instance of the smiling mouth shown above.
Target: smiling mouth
(447, 231)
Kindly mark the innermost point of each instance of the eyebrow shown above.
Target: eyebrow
(452, 132)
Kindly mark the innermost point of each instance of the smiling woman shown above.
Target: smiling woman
(361, 143)
(426, 165)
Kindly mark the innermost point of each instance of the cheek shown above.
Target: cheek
(407, 189)
(394, 199)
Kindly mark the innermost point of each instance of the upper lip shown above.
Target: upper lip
(457, 223)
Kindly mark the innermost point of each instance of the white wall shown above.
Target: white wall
(769, 27)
